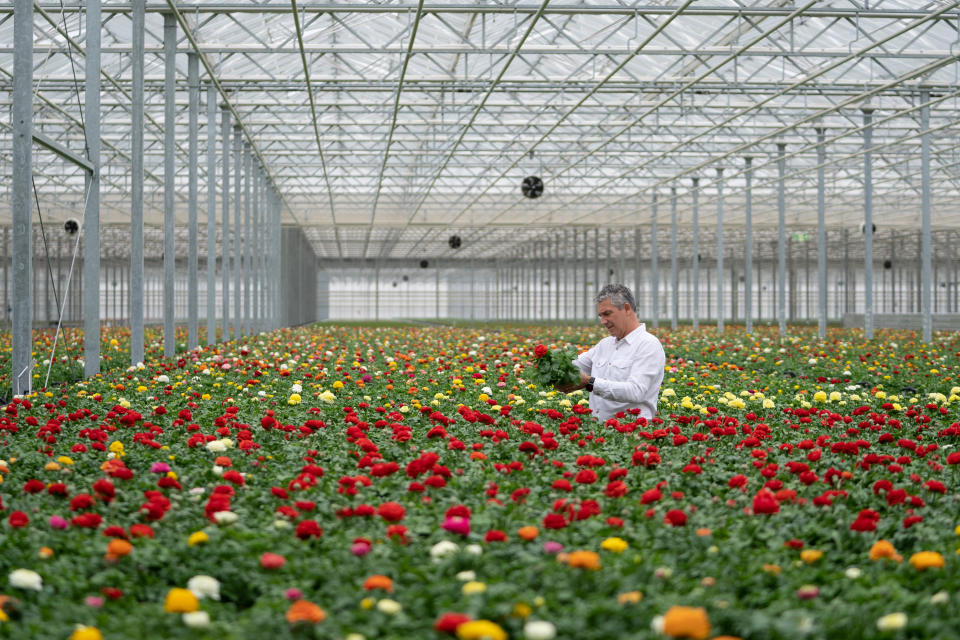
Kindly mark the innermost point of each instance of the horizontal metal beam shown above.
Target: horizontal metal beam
(508, 9)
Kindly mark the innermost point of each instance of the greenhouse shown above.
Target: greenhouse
(312, 184)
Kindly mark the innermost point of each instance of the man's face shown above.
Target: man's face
(616, 321)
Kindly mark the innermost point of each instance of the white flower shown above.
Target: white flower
(281, 524)
(197, 619)
(296, 388)
(225, 517)
(656, 625)
(216, 446)
(539, 630)
(163, 379)
(205, 586)
(389, 607)
(26, 579)
(443, 549)
(940, 597)
(467, 576)
(473, 549)
(327, 396)
(853, 573)
(892, 621)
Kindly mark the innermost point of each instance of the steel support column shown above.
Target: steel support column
(719, 250)
(695, 253)
(926, 285)
(674, 274)
(169, 147)
(781, 238)
(654, 267)
(21, 361)
(821, 234)
(245, 258)
(193, 107)
(867, 221)
(237, 319)
(136, 183)
(211, 214)
(91, 213)
(225, 129)
(748, 247)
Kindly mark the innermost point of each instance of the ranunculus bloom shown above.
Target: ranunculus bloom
(884, 549)
(20, 519)
(309, 529)
(378, 581)
(539, 351)
(448, 622)
(926, 560)
(391, 511)
(675, 518)
(305, 611)
(457, 525)
(480, 630)
(26, 579)
(584, 560)
(686, 622)
(765, 503)
(180, 601)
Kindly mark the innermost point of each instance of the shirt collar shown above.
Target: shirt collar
(632, 337)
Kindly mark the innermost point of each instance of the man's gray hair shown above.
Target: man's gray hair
(618, 295)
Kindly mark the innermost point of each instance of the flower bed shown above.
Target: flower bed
(412, 483)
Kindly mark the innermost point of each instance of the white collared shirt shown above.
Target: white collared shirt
(628, 374)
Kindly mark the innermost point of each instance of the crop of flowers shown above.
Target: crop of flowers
(409, 482)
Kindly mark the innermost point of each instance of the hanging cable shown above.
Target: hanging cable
(66, 291)
(46, 248)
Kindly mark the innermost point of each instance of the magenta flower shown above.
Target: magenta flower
(159, 467)
(552, 547)
(458, 525)
(293, 594)
(360, 548)
(58, 522)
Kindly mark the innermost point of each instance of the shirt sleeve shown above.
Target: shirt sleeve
(644, 373)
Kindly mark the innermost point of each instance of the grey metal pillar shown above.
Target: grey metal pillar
(237, 319)
(926, 285)
(782, 238)
(867, 221)
(169, 130)
(245, 246)
(225, 128)
(654, 267)
(136, 184)
(596, 268)
(821, 234)
(193, 294)
(748, 247)
(583, 302)
(258, 252)
(436, 291)
(91, 215)
(719, 250)
(211, 214)
(21, 361)
(695, 253)
(674, 274)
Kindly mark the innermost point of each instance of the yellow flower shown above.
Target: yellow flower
(835, 395)
(197, 537)
(65, 461)
(116, 447)
(472, 587)
(327, 396)
(820, 396)
(772, 569)
(293, 399)
(629, 597)
(884, 549)
(811, 555)
(616, 545)
(480, 630)
(180, 601)
(337, 385)
(768, 403)
(686, 622)
(521, 610)
(86, 633)
(368, 603)
(926, 560)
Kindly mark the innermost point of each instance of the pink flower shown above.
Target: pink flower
(457, 525)
(293, 594)
(93, 601)
(360, 548)
(58, 522)
(552, 547)
(159, 467)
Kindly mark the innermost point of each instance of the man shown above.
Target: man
(623, 371)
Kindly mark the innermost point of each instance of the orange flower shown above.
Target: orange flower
(630, 597)
(118, 548)
(528, 533)
(703, 532)
(112, 465)
(926, 560)
(378, 582)
(584, 560)
(884, 549)
(223, 461)
(305, 611)
(686, 622)
(478, 455)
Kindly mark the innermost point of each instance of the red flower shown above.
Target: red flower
(309, 529)
(270, 560)
(233, 476)
(954, 458)
(448, 622)
(675, 518)
(81, 501)
(586, 476)
(111, 592)
(539, 351)
(554, 521)
(19, 519)
(398, 533)
(141, 531)
(909, 521)
(616, 489)
(391, 511)
(863, 524)
(651, 495)
(765, 503)
(495, 535)
(88, 520)
(33, 486)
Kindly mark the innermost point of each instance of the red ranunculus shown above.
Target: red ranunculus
(391, 511)
(675, 518)
(539, 351)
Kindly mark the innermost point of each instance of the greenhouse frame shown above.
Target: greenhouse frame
(242, 166)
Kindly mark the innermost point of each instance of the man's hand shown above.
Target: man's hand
(567, 388)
